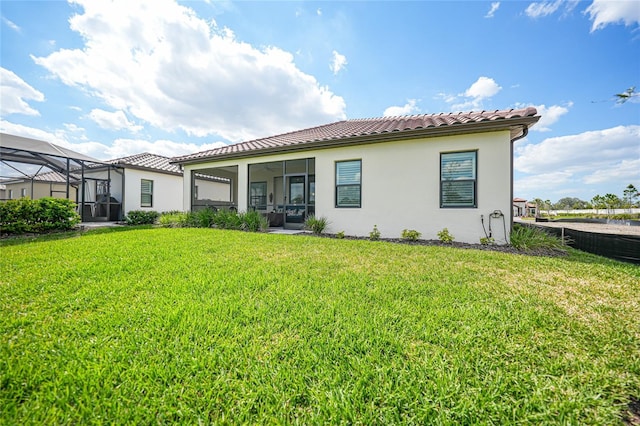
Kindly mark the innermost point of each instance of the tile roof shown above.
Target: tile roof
(147, 160)
(48, 177)
(366, 127)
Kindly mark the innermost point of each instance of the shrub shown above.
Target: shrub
(315, 224)
(227, 219)
(202, 218)
(45, 214)
(340, 235)
(173, 219)
(487, 241)
(410, 234)
(531, 238)
(375, 234)
(253, 221)
(445, 236)
(141, 217)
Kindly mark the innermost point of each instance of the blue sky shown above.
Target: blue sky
(115, 78)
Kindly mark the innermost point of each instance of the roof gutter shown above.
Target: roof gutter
(525, 132)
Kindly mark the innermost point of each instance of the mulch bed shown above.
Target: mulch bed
(504, 248)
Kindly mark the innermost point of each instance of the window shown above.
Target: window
(458, 179)
(23, 192)
(348, 183)
(146, 193)
(11, 194)
(258, 195)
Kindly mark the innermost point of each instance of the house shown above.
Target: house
(421, 172)
(103, 190)
(48, 184)
(151, 182)
(519, 207)
(147, 182)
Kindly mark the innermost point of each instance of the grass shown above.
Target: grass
(530, 238)
(209, 326)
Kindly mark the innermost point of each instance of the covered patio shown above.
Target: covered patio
(283, 191)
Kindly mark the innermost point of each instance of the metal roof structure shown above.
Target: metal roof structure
(21, 150)
(37, 160)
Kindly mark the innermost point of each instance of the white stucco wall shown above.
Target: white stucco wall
(40, 190)
(401, 186)
(211, 190)
(167, 191)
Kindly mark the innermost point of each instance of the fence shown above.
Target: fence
(625, 248)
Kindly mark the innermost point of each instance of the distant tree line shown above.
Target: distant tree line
(630, 199)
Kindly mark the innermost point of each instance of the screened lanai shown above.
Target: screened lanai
(282, 190)
(35, 169)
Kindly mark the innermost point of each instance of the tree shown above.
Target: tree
(570, 203)
(611, 202)
(630, 197)
(598, 202)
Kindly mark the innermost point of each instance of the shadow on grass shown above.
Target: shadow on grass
(14, 240)
(580, 256)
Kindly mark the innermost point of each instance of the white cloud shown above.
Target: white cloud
(541, 183)
(116, 120)
(494, 8)
(625, 171)
(579, 165)
(127, 147)
(473, 97)
(319, 12)
(73, 137)
(605, 12)
(407, 109)
(11, 25)
(60, 137)
(159, 62)
(549, 115)
(537, 10)
(586, 152)
(338, 62)
(14, 92)
(484, 87)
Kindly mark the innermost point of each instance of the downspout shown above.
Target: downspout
(525, 132)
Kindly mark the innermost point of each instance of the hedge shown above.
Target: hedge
(25, 215)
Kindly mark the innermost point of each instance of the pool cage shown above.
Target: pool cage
(36, 169)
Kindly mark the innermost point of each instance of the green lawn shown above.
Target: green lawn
(206, 326)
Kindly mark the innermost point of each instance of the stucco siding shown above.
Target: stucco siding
(401, 186)
(40, 190)
(210, 190)
(167, 190)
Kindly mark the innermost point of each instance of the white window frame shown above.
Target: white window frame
(465, 177)
(350, 183)
(146, 193)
